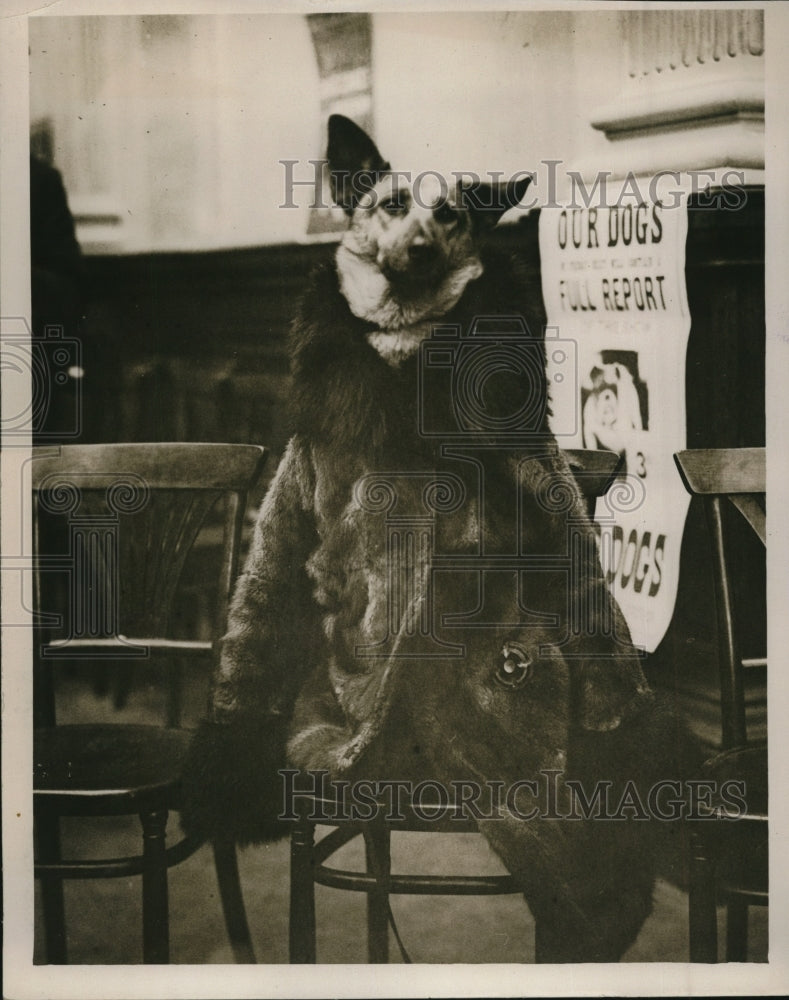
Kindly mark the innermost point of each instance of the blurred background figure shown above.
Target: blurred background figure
(58, 304)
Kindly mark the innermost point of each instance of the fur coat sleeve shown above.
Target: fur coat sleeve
(231, 784)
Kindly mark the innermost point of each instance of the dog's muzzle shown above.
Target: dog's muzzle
(422, 264)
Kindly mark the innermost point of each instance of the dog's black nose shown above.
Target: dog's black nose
(421, 253)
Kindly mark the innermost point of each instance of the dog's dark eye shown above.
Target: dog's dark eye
(445, 214)
(393, 207)
(513, 666)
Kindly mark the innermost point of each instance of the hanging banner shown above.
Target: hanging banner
(613, 281)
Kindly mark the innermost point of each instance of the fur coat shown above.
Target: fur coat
(387, 571)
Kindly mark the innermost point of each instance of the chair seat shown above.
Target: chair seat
(88, 769)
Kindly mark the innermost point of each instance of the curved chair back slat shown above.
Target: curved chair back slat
(114, 526)
(736, 477)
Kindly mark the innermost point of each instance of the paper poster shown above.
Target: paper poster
(613, 280)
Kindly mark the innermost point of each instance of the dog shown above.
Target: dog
(336, 652)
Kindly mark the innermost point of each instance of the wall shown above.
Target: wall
(169, 129)
(498, 90)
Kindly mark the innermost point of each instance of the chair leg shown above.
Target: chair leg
(155, 919)
(226, 862)
(737, 931)
(52, 902)
(302, 894)
(702, 911)
(377, 843)
(175, 693)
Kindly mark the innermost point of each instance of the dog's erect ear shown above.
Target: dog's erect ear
(488, 202)
(355, 164)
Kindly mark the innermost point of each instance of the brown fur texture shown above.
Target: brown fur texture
(316, 674)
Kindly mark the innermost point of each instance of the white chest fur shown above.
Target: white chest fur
(395, 346)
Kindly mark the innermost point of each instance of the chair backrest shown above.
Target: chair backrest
(117, 522)
(726, 478)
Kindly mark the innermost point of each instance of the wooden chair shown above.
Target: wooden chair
(594, 472)
(115, 524)
(729, 856)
